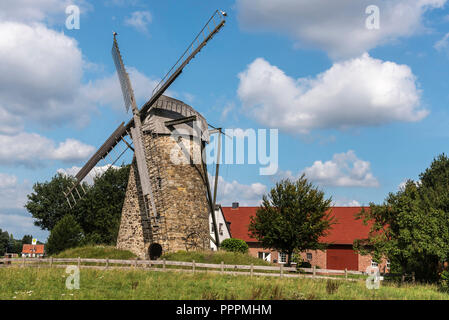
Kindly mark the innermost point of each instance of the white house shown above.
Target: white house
(223, 227)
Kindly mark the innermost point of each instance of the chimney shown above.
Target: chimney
(235, 205)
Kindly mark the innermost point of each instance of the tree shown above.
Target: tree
(4, 242)
(293, 216)
(411, 227)
(47, 203)
(98, 212)
(66, 234)
(27, 239)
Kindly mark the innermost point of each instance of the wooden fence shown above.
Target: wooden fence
(182, 266)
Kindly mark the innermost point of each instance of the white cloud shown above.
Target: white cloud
(41, 73)
(9, 123)
(31, 149)
(401, 186)
(233, 191)
(29, 11)
(52, 93)
(72, 150)
(96, 172)
(106, 90)
(122, 2)
(12, 192)
(226, 110)
(7, 181)
(359, 92)
(346, 203)
(442, 45)
(139, 20)
(338, 27)
(20, 224)
(344, 170)
(17, 221)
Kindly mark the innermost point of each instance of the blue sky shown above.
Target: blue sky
(358, 110)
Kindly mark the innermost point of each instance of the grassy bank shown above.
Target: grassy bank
(103, 252)
(215, 257)
(43, 283)
(96, 252)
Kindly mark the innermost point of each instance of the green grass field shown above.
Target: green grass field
(49, 284)
(103, 252)
(32, 283)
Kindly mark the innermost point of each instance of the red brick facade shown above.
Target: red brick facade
(339, 254)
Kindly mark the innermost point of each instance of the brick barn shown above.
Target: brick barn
(339, 254)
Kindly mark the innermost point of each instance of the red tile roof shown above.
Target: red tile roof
(345, 231)
(29, 248)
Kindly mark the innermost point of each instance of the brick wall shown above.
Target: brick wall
(318, 257)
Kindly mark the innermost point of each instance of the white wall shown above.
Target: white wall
(223, 232)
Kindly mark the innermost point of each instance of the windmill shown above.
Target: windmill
(166, 205)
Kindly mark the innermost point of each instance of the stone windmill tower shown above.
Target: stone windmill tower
(168, 198)
(178, 180)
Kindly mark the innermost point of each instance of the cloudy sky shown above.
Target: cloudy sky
(359, 109)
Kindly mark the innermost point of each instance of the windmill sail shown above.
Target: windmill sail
(212, 27)
(125, 83)
(136, 131)
(133, 127)
(115, 139)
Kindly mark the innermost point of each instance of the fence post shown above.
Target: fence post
(193, 266)
(346, 273)
(403, 278)
(135, 264)
(107, 263)
(163, 264)
(314, 271)
(281, 272)
(79, 262)
(252, 270)
(51, 262)
(222, 267)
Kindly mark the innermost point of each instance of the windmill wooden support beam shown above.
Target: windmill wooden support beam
(107, 146)
(180, 121)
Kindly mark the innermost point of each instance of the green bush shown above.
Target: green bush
(444, 280)
(66, 234)
(305, 264)
(234, 245)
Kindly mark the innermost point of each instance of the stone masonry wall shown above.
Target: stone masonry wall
(134, 233)
(181, 200)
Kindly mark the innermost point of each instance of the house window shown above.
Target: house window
(373, 264)
(212, 227)
(220, 229)
(282, 257)
(264, 256)
(309, 256)
(388, 264)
